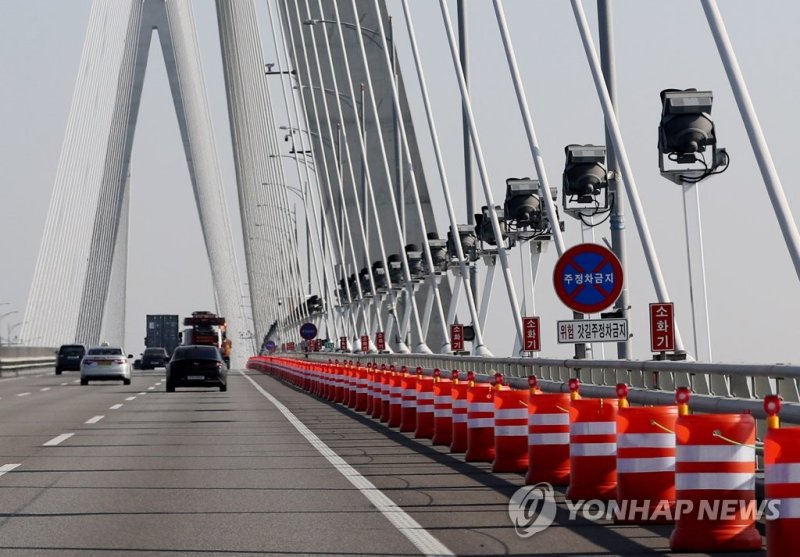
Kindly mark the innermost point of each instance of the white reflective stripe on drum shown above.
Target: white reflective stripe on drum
(442, 400)
(396, 391)
(646, 440)
(783, 473)
(548, 439)
(786, 508)
(592, 449)
(442, 413)
(593, 428)
(511, 413)
(481, 406)
(637, 465)
(460, 404)
(716, 453)
(715, 480)
(548, 419)
(424, 396)
(424, 409)
(408, 404)
(459, 418)
(476, 423)
(410, 393)
(510, 430)
(361, 391)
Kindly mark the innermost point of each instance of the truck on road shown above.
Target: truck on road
(207, 328)
(162, 332)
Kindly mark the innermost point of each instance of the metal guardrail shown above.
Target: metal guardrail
(13, 358)
(716, 388)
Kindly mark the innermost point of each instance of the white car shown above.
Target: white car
(104, 363)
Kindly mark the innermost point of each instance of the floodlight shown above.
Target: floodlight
(685, 130)
(523, 207)
(483, 225)
(379, 276)
(468, 240)
(438, 252)
(584, 173)
(396, 269)
(414, 257)
(363, 277)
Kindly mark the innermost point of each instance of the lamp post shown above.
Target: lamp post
(11, 328)
(6, 315)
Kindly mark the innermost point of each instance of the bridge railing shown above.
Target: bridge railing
(716, 387)
(15, 358)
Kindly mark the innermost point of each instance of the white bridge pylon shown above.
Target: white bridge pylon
(86, 218)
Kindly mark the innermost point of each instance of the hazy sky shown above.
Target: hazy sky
(753, 290)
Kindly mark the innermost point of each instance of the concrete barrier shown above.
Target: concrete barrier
(15, 358)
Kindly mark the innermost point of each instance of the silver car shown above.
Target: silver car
(105, 363)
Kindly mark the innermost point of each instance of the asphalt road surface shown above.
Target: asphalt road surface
(263, 469)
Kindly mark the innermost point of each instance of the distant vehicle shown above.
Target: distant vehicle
(68, 357)
(162, 332)
(153, 358)
(207, 328)
(196, 366)
(137, 363)
(105, 363)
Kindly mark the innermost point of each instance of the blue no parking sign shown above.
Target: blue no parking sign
(588, 278)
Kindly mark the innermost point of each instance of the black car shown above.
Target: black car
(153, 358)
(69, 356)
(196, 366)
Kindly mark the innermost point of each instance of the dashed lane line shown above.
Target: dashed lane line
(131, 398)
(94, 420)
(58, 440)
(23, 394)
(44, 389)
(410, 528)
(150, 388)
(7, 468)
(63, 384)
(115, 407)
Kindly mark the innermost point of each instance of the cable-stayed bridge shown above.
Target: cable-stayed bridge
(396, 188)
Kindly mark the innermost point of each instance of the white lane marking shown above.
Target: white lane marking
(77, 381)
(410, 528)
(115, 407)
(142, 393)
(94, 420)
(150, 388)
(7, 468)
(64, 384)
(56, 440)
(23, 394)
(131, 398)
(43, 389)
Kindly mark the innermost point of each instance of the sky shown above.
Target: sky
(752, 286)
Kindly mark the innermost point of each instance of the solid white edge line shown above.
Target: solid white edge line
(7, 468)
(410, 528)
(115, 407)
(94, 420)
(56, 440)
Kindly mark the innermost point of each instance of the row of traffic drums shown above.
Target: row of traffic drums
(660, 464)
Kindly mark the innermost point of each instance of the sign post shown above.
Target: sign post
(456, 337)
(365, 343)
(662, 327)
(530, 327)
(380, 341)
(343, 344)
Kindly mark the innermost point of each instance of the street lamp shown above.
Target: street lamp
(684, 132)
(11, 328)
(6, 315)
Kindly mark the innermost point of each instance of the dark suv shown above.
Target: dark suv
(196, 366)
(68, 357)
(154, 357)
